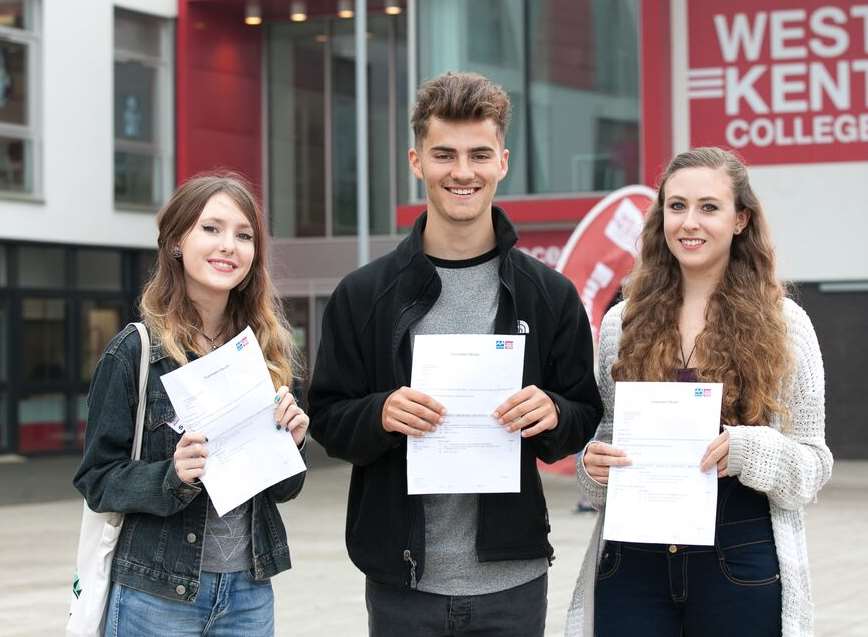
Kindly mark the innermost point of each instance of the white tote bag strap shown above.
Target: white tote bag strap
(144, 365)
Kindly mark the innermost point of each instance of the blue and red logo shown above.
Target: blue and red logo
(240, 345)
(702, 392)
(503, 344)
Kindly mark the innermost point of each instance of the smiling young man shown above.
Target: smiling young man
(450, 564)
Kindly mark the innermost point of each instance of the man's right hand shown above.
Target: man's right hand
(411, 412)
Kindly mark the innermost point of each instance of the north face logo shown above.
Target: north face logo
(522, 327)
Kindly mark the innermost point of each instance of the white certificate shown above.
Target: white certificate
(663, 497)
(470, 375)
(228, 395)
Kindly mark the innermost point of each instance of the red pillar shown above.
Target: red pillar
(656, 88)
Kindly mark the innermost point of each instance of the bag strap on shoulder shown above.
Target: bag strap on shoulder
(144, 366)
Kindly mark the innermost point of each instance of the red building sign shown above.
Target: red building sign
(781, 82)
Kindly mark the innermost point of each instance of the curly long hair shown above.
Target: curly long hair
(167, 309)
(744, 342)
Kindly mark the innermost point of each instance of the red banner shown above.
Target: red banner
(780, 82)
(603, 247)
(545, 245)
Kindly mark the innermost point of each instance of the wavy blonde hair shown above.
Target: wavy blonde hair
(170, 314)
(744, 342)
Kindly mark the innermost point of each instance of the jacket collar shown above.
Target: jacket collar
(157, 352)
(412, 247)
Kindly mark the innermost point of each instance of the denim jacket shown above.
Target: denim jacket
(160, 547)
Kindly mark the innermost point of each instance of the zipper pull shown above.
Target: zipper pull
(408, 557)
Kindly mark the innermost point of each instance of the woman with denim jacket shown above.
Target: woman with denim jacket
(704, 304)
(178, 566)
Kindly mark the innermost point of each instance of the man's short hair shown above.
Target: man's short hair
(460, 97)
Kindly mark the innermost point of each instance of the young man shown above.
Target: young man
(442, 564)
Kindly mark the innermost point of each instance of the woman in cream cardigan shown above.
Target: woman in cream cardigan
(704, 304)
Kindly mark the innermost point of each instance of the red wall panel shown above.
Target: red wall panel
(219, 83)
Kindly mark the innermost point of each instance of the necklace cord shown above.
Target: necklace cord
(686, 363)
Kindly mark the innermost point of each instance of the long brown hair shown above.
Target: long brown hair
(170, 314)
(744, 343)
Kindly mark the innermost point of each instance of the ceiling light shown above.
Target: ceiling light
(392, 7)
(345, 9)
(253, 14)
(297, 11)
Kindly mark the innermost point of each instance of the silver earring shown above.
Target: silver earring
(176, 252)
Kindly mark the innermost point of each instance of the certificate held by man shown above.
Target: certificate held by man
(663, 496)
(470, 375)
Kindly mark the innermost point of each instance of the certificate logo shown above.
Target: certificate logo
(701, 392)
(240, 345)
(503, 344)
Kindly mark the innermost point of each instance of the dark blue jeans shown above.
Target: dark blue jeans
(731, 588)
(398, 612)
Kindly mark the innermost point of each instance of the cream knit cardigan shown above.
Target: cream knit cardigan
(789, 467)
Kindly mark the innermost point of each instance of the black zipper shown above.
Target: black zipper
(400, 332)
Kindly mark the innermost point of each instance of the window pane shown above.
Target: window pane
(14, 14)
(136, 178)
(143, 265)
(383, 31)
(4, 353)
(5, 437)
(44, 355)
(41, 423)
(13, 82)
(452, 39)
(296, 313)
(584, 96)
(98, 270)
(321, 302)
(81, 422)
(15, 163)
(41, 267)
(137, 33)
(135, 94)
(296, 79)
(575, 106)
(100, 321)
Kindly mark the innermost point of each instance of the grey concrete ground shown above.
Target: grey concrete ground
(323, 593)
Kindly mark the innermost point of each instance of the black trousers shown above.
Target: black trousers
(398, 612)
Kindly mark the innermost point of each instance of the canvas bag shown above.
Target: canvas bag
(99, 536)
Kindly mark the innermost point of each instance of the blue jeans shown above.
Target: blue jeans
(228, 605)
(731, 588)
(398, 612)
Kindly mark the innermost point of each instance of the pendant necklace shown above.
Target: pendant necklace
(212, 341)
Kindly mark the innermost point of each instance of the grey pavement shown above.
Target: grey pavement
(323, 593)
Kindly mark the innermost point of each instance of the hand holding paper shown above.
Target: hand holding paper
(529, 410)
(467, 451)
(599, 457)
(411, 412)
(228, 397)
(717, 452)
(663, 496)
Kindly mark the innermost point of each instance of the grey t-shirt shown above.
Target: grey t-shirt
(467, 305)
(227, 546)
